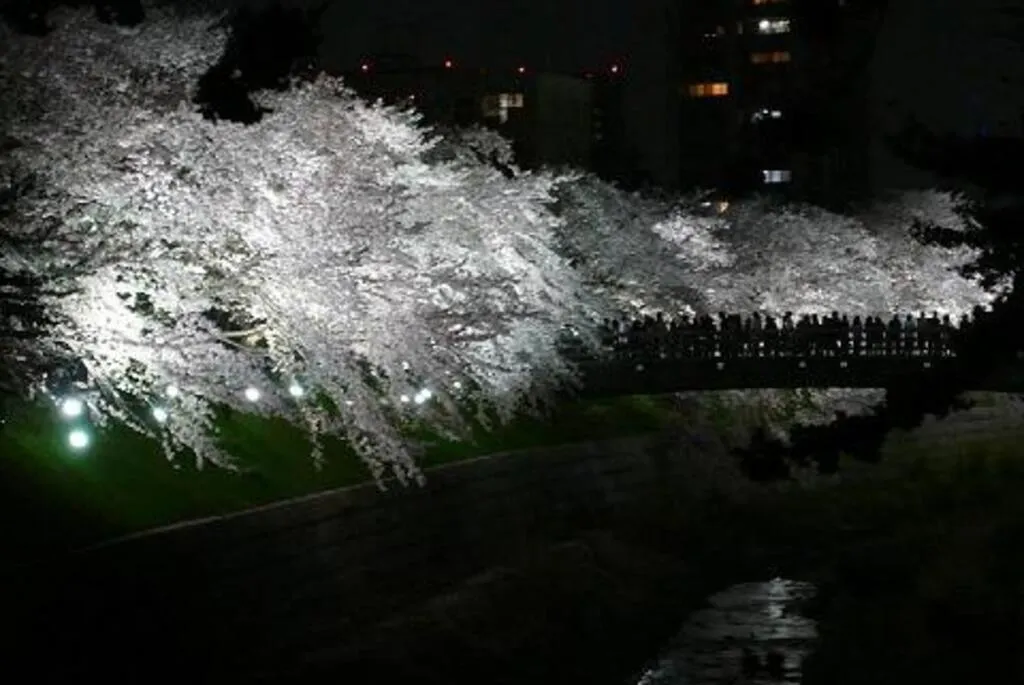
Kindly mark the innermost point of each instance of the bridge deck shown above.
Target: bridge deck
(621, 376)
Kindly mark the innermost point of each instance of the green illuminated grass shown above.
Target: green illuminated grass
(123, 483)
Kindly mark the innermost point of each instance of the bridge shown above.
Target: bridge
(659, 357)
(610, 378)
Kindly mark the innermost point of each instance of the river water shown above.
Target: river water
(756, 619)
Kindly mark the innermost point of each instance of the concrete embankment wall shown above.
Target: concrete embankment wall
(256, 591)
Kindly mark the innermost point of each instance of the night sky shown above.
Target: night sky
(567, 34)
(941, 58)
(946, 61)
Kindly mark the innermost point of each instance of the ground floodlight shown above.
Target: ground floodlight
(423, 395)
(78, 439)
(404, 399)
(252, 394)
(296, 390)
(160, 414)
(457, 385)
(172, 391)
(72, 408)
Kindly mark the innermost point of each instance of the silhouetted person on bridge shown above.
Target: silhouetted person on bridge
(750, 663)
(946, 335)
(893, 335)
(788, 335)
(909, 336)
(857, 337)
(771, 337)
(874, 330)
(775, 665)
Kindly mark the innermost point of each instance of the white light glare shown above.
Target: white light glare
(423, 395)
(404, 399)
(295, 390)
(457, 385)
(252, 394)
(160, 414)
(172, 391)
(72, 408)
(78, 439)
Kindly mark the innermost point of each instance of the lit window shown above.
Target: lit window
(497, 106)
(769, 26)
(775, 57)
(767, 2)
(763, 114)
(511, 100)
(777, 175)
(705, 90)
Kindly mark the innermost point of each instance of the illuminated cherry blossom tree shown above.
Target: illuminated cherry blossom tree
(808, 260)
(644, 253)
(339, 265)
(650, 254)
(318, 265)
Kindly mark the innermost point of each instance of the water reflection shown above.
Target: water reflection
(750, 633)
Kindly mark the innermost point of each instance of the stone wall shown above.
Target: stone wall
(255, 591)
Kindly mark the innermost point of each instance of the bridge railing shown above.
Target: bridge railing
(732, 339)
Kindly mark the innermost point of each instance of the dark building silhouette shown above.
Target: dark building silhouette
(551, 118)
(774, 96)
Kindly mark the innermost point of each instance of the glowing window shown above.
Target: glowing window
(770, 26)
(706, 90)
(763, 114)
(767, 2)
(773, 176)
(497, 106)
(774, 57)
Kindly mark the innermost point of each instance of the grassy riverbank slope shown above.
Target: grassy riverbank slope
(53, 497)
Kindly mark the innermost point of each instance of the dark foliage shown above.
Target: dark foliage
(27, 16)
(267, 48)
(30, 16)
(21, 313)
(120, 12)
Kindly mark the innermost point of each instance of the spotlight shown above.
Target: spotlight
(404, 399)
(252, 394)
(423, 395)
(172, 391)
(72, 408)
(160, 414)
(78, 439)
(295, 390)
